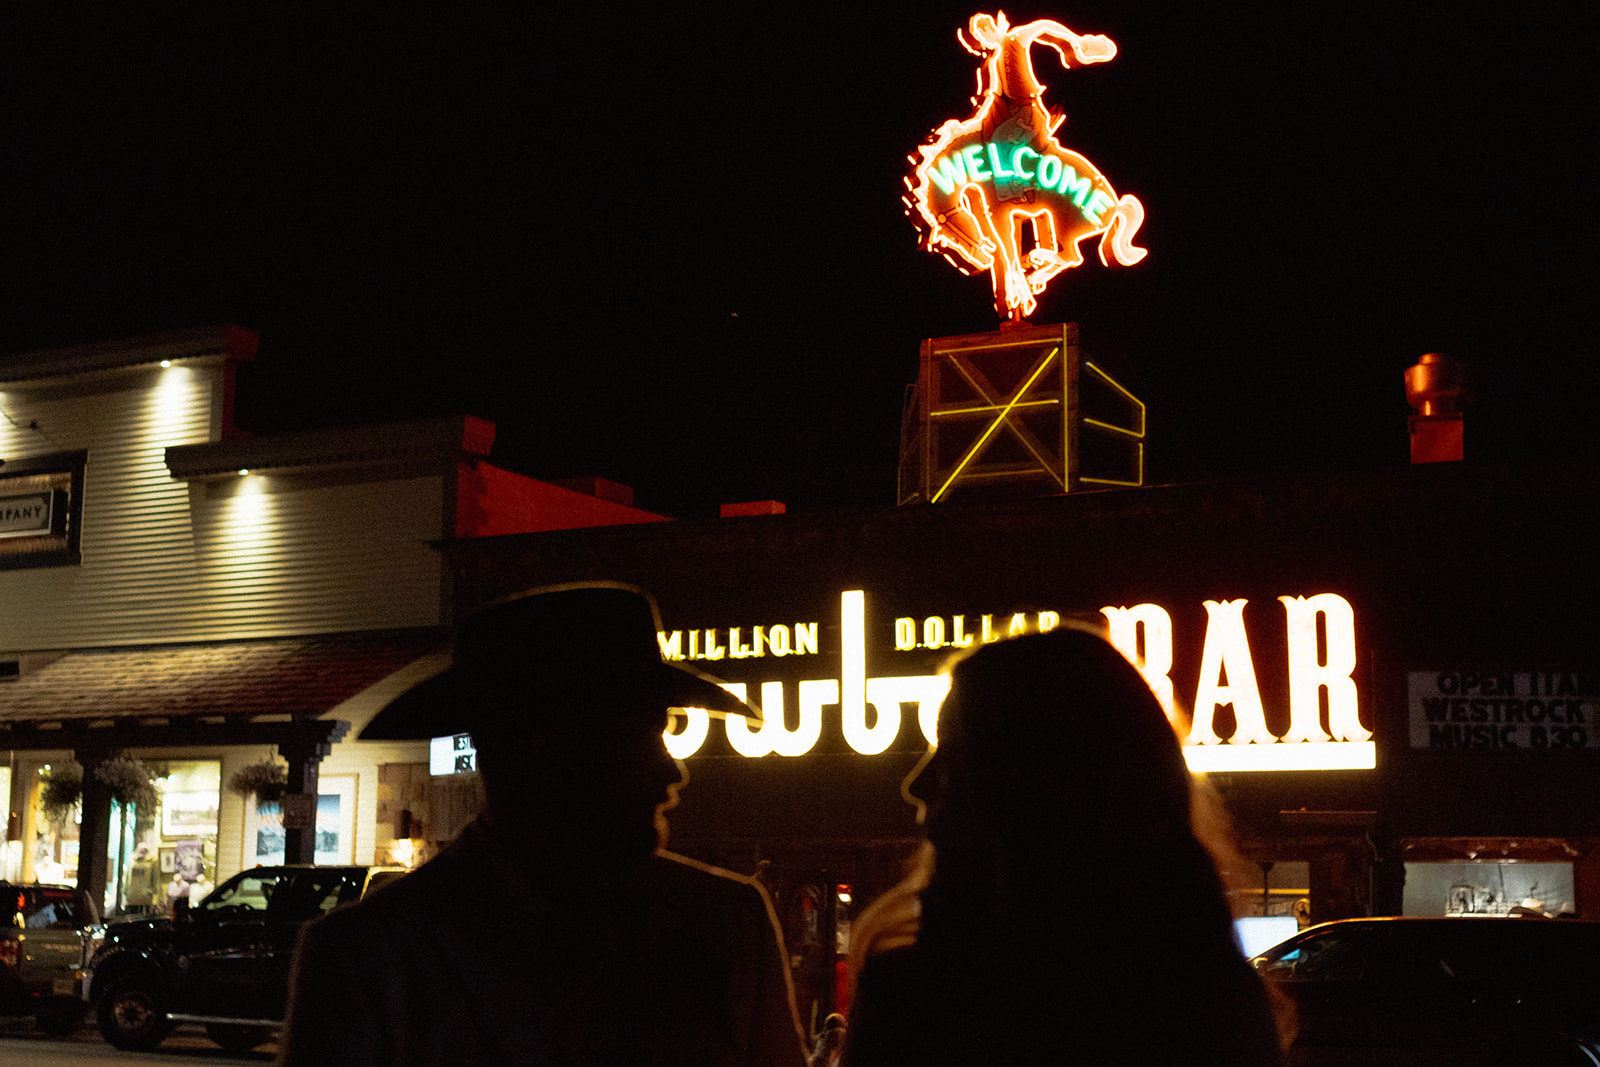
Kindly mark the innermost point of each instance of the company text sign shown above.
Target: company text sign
(25, 515)
(1320, 646)
(455, 754)
(1498, 709)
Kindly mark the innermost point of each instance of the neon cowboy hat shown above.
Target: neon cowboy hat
(585, 647)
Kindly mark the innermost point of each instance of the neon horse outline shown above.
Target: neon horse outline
(979, 180)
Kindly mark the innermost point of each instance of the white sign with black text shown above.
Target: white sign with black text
(1497, 709)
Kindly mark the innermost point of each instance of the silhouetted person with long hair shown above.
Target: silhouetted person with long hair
(554, 930)
(1063, 909)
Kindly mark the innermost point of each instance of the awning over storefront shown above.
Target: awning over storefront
(225, 692)
(97, 702)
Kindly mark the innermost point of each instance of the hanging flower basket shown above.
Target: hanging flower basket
(128, 781)
(60, 790)
(264, 782)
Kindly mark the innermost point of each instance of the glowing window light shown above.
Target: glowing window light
(977, 182)
(1228, 649)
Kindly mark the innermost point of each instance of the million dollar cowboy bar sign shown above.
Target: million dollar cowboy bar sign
(982, 183)
(1316, 634)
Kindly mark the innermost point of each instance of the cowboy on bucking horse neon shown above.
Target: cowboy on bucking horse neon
(979, 180)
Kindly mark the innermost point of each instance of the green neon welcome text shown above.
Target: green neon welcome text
(987, 161)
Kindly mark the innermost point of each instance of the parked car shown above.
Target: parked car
(223, 963)
(47, 934)
(1456, 991)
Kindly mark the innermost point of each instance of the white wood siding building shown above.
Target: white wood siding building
(303, 550)
(170, 545)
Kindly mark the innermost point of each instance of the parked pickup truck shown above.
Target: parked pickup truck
(47, 933)
(223, 963)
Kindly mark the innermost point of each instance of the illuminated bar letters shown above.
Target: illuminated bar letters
(1227, 654)
(1144, 635)
(1308, 676)
(1320, 669)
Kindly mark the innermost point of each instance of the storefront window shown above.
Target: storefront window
(335, 833)
(121, 848)
(1489, 888)
(57, 812)
(11, 851)
(171, 851)
(155, 853)
(1284, 890)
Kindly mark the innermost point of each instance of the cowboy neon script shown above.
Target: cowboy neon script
(1320, 669)
(981, 184)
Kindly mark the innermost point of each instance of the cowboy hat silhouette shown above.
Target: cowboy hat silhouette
(587, 647)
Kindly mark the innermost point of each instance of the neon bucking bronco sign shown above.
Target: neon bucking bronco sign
(980, 181)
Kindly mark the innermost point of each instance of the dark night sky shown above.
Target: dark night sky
(669, 249)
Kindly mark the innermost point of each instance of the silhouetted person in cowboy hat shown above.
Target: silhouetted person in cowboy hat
(554, 930)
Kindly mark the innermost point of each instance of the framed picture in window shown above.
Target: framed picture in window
(188, 814)
(336, 825)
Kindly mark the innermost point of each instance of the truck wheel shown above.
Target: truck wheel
(236, 1040)
(130, 1017)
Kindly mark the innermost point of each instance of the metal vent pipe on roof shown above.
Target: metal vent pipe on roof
(1438, 392)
